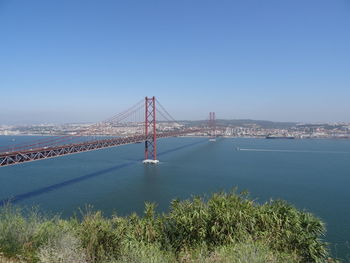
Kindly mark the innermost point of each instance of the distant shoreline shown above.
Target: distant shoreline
(261, 137)
(189, 136)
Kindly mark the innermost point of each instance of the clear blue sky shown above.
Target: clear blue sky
(79, 60)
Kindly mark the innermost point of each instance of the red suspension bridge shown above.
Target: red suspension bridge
(146, 121)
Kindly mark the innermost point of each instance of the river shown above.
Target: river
(312, 174)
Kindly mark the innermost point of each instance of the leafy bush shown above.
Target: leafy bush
(101, 237)
(21, 236)
(137, 252)
(246, 252)
(65, 248)
(234, 218)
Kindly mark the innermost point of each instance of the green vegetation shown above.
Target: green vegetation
(225, 228)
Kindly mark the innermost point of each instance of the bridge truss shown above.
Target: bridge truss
(129, 129)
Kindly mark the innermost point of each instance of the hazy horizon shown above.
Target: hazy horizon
(183, 120)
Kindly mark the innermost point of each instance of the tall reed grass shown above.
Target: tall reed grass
(226, 227)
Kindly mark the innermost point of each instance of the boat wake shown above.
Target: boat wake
(290, 151)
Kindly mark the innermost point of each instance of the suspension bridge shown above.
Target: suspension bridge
(144, 122)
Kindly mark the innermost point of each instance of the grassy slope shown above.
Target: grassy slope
(225, 228)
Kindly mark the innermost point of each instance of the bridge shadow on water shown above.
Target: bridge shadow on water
(43, 190)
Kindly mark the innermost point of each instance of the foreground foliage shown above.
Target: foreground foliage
(224, 228)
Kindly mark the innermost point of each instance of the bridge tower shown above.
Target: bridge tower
(212, 126)
(150, 131)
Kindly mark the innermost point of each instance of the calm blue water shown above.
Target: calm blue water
(311, 174)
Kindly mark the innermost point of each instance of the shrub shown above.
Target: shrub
(234, 218)
(21, 236)
(186, 224)
(137, 252)
(100, 237)
(63, 249)
(227, 227)
(246, 252)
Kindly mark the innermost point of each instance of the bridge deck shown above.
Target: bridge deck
(17, 157)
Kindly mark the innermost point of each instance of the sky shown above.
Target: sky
(84, 61)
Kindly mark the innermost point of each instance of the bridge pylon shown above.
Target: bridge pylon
(212, 126)
(150, 131)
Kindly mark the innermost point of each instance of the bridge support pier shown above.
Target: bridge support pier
(212, 127)
(150, 131)
(150, 161)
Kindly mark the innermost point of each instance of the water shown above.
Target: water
(311, 174)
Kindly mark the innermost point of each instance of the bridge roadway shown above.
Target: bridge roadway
(17, 157)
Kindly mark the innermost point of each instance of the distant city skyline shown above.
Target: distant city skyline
(84, 61)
